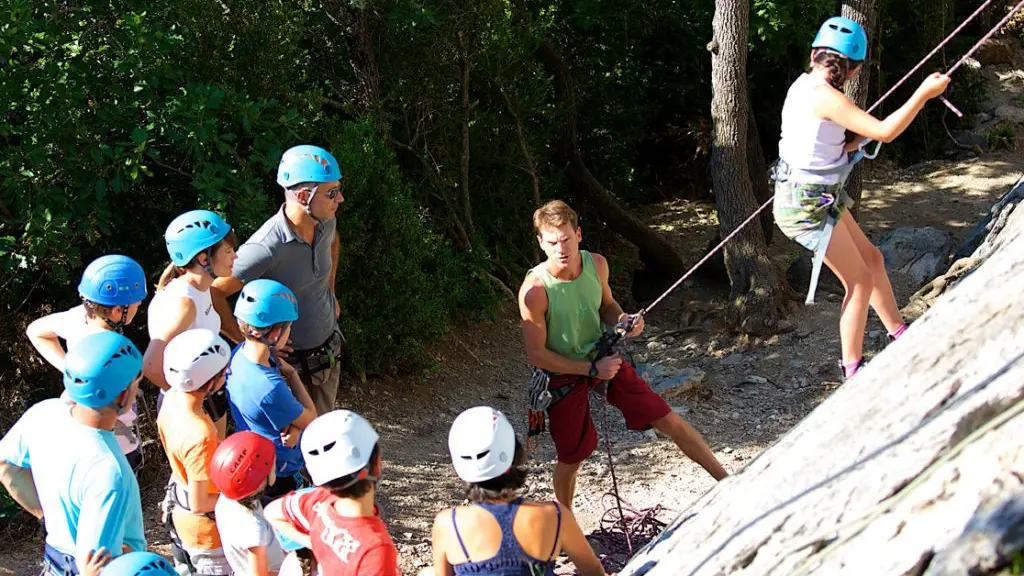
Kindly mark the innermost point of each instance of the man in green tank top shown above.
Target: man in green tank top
(565, 302)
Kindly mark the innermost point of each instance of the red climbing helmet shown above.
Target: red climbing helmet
(241, 463)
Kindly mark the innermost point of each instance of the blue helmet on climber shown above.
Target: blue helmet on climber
(139, 564)
(844, 36)
(113, 280)
(266, 302)
(99, 367)
(193, 232)
(305, 163)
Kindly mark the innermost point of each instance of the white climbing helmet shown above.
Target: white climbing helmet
(193, 357)
(482, 444)
(338, 444)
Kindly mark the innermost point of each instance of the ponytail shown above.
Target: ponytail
(170, 273)
(837, 67)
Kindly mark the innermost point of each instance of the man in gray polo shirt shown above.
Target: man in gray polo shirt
(299, 248)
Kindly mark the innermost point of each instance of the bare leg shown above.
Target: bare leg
(690, 442)
(883, 300)
(565, 482)
(843, 258)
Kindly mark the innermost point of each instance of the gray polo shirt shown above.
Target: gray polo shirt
(276, 252)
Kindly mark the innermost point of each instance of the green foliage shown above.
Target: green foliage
(401, 283)
(999, 137)
(115, 117)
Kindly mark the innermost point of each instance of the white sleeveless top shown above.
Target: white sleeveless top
(206, 316)
(807, 140)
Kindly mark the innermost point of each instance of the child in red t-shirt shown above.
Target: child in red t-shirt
(338, 520)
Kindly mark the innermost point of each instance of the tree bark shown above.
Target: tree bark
(357, 32)
(655, 251)
(864, 13)
(757, 290)
(759, 172)
(467, 109)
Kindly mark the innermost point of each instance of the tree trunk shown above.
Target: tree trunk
(467, 109)
(864, 13)
(757, 290)
(655, 251)
(759, 172)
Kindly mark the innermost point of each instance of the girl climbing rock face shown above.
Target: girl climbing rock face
(814, 159)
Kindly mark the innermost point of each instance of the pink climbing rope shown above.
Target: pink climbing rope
(977, 45)
(940, 46)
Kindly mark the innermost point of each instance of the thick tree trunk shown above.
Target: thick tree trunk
(757, 290)
(863, 12)
(759, 172)
(655, 251)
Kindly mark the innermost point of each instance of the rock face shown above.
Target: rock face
(919, 253)
(915, 466)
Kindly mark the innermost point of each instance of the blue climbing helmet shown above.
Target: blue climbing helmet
(113, 280)
(139, 564)
(99, 367)
(266, 302)
(307, 163)
(844, 36)
(192, 233)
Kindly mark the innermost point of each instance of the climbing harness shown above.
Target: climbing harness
(176, 496)
(57, 562)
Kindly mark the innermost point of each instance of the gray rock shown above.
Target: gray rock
(799, 276)
(919, 253)
(732, 360)
(669, 381)
(754, 380)
(1010, 113)
(994, 533)
(981, 230)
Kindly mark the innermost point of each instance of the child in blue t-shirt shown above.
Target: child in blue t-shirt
(266, 394)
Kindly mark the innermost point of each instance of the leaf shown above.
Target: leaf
(139, 136)
(101, 189)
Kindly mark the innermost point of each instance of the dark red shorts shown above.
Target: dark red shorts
(572, 428)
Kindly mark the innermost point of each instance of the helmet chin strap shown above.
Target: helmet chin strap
(309, 205)
(208, 266)
(115, 326)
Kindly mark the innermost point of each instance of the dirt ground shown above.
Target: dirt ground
(750, 392)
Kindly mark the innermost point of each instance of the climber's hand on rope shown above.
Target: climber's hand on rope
(934, 85)
(608, 366)
(630, 324)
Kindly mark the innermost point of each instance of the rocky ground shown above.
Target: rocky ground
(741, 394)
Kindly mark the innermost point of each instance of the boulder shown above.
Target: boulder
(918, 253)
(915, 466)
(996, 51)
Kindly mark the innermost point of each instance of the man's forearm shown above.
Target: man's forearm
(22, 488)
(610, 313)
(554, 362)
(228, 323)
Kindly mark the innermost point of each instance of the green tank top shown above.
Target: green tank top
(574, 310)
